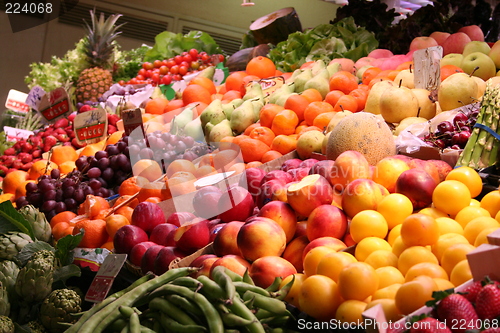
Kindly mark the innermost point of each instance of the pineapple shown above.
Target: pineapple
(99, 48)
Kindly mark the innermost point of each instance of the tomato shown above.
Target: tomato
(188, 58)
(165, 62)
(178, 59)
(195, 65)
(183, 70)
(147, 74)
(139, 77)
(142, 72)
(121, 82)
(133, 81)
(155, 77)
(171, 63)
(221, 58)
(193, 53)
(176, 77)
(147, 65)
(167, 79)
(174, 69)
(185, 64)
(205, 58)
(164, 70)
(157, 63)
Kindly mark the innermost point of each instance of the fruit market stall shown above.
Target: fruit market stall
(317, 187)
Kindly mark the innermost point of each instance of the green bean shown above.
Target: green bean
(125, 329)
(126, 311)
(170, 325)
(145, 329)
(275, 321)
(210, 288)
(157, 327)
(166, 307)
(234, 276)
(267, 303)
(283, 291)
(242, 287)
(219, 275)
(238, 308)
(134, 323)
(118, 324)
(108, 314)
(187, 281)
(275, 285)
(231, 320)
(247, 278)
(184, 304)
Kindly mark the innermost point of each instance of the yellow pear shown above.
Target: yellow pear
(426, 105)
(457, 90)
(407, 122)
(481, 87)
(398, 103)
(405, 78)
(373, 100)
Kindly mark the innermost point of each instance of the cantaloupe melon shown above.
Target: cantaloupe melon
(363, 132)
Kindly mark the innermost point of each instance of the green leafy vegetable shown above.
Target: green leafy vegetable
(66, 245)
(344, 39)
(12, 220)
(4, 143)
(169, 44)
(129, 62)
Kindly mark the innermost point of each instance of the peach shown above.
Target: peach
(179, 218)
(269, 191)
(301, 229)
(281, 175)
(326, 220)
(439, 36)
(349, 165)
(455, 43)
(418, 186)
(225, 240)
(387, 171)
(265, 270)
(260, 237)
(205, 266)
(236, 204)
(346, 64)
(330, 242)
(298, 173)
(430, 168)
(147, 215)
(309, 193)
(149, 257)
(293, 252)
(443, 168)
(283, 214)
(127, 237)
(198, 261)
(291, 164)
(380, 53)
(361, 194)
(233, 262)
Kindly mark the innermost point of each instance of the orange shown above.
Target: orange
(247, 82)
(235, 80)
(346, 103)
(448, 70)
(62, 229)
(115, 222)
(250, 128)
(93, 205)
(360, 95)
(323, 119)
(240, 138)
(284, 144)
(134, 202)
(6, 196)
(405, 65)
(313, 95)
(129, 187)
(226, 158)
(108, 245)
(237, 168)
(13, 180)
(261, 66)
(181, 185)
(174, 104)
(114, 138)
(297, 103)
(392, 74)
(67, 167)
(154, 199)
(196, 93)
(343, 81)
(316, 108)
(285, 122)
(206, 83)
(270, 155)
(253, 164)
(268, 112)
(264, 134)
(154, 189)
(369, 74)
(41, 167)
(95, 233)
(180, 165)
(333, 96)
(65, 216)
(21, 189)
(253, 150)
(147, 168)
(231, 95)
(156, 105)
(62, 154)
(125, 211)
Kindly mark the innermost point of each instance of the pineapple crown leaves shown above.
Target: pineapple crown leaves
(99, 41)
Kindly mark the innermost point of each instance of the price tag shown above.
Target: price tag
(91, 126)
(427, 64)
(16, 101)
(131, 120)
(54, 105)
(14, 134)
(35, 97)
(102, 282)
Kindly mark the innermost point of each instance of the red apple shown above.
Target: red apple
(291, 164)
(380, 53)
(235, 263)
(473, 31)
(147, 215)
(205, 201)
(179, 218)
(331, 242)
(270, 190)
(439, 36)
(261, 237)
(418, 186)
(443, 168)
(265, 270)
(455, 43)
(164, 257)
(225, 240)
(362, 194)
(251, 180)
(280, 175)
(127, 236)
(326, 220)
(193, 236)
(283, 214)
(149, 257)
(159, 234)
(298, 173)
(138, 251)
(312, 191)
(422, 42)
(236, 204)
(293, 252)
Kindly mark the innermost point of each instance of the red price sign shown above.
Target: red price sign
(56, 110)
(99, 288)
(90, 132)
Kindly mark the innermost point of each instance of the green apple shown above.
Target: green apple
(457, 90)
(405, 78)
(452, 59)
(495, 53)
(398, 103)
(476, 46)
(427, 107)
(484, 64)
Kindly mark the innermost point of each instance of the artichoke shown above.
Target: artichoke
(6, 325)
(11, 243)
(34, 281)
(58, 307)
(41, 226)
(8, 275)
(4, 301)
(35, 326)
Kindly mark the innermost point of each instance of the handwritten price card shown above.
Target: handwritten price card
(91, 126)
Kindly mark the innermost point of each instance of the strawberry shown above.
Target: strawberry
(471, 291)
(429, 325)
(488, 302)
(455, 308)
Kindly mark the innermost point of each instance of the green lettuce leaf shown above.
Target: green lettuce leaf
(12, 220)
